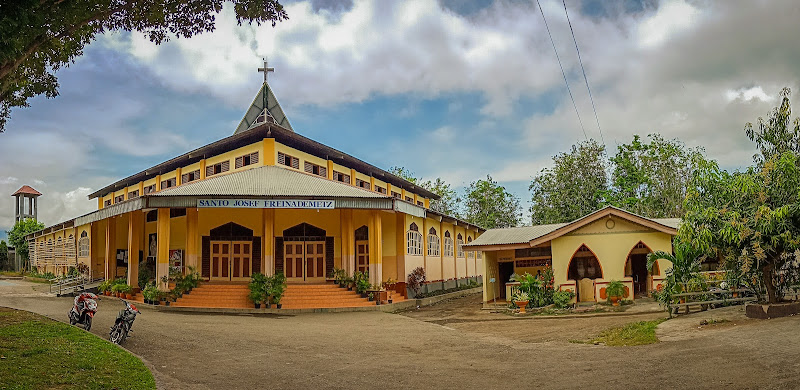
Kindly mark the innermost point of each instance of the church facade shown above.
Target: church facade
(263, 200)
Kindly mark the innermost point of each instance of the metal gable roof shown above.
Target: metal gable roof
(269, 181)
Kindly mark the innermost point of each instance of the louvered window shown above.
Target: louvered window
(380, 189)
(190, 177)
(168, 183)
(315, 169)
(433, 243)
(247, 159)
(149, 189)
(107, 203)
(396, 195)
(409, 199)
(118, 199)
(338, 176)
(362, 183)
(83, 245)
(218, 168)
(289, 161)
(414, 241)
(420, 203)
(133, 194)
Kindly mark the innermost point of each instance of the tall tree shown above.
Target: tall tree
(16, 236)
(489, 205)
(752, 218)
(651, 178)
(41, 36)
(448, 201)
(573, 187)
(778, 133)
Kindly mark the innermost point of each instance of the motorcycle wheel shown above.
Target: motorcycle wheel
(88, 323)
(116, 336)
(72, 319)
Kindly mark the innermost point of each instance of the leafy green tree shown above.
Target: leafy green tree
(489, 205)
(16, 236)
(751, 219)
(573, 187)
(448, 201)
(651, 178)
(41, 36)
(4, 264)
(778, 133)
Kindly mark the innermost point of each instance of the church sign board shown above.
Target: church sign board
(267, 204)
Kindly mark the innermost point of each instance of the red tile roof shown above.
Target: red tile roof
(27, 190)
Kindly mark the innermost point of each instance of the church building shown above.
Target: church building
(265, 199)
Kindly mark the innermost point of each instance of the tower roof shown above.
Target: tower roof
(259, 112)
(28, 190)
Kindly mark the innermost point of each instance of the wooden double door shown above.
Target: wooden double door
(231, 260)
(304, 261)
(362, 255)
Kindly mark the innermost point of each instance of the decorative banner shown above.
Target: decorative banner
(266, 204)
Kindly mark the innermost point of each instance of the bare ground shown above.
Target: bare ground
(453, 345)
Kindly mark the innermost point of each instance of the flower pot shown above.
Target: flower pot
(349, 288)
(257, 305)
(363, 295)
(279, 305)
(521, 305)
(166, 303)
(736, 294)
(614, 301)
(390, 301)
(128, 296)
(371, 299)
(683, 300)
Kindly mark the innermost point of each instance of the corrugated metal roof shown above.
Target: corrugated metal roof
(269, 181)
(671, 222)
(515, 235)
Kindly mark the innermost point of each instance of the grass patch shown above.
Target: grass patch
(637, 333)
(39, 353)
(10, 273)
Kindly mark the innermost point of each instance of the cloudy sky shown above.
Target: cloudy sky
(450, 89)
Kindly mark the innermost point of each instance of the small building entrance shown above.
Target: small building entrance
(505, 270)
(362, 249)
(584, 269)
(304, 261)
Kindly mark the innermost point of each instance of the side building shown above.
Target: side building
(585, 255)
(267, 200)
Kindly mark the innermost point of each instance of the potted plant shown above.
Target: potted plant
(277, 288)
(125, 291)
(615, 291)
(521, 299)
(258, 289)
(371, 297)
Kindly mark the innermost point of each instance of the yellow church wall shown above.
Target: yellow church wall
(461, 262)
(379, 183)
(177, 234)
(448, 261)
(210, 218)
(78, 231)
(98, 245)
(192, 167)
(257, 147)
(389, 222)
(363, 177)
(412, 261)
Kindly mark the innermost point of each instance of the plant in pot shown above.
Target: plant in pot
(371, 297)
(126, 290)
(258, 289)
(277, 288)
(521, 299)
(615, 291)
(348, 282)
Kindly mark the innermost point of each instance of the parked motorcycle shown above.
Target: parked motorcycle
(123, 323)
(83, 310)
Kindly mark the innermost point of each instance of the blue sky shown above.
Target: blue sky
(452, 89)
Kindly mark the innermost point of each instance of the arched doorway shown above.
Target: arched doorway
(584, 269)
(636, 269)
(305, 253)
(362, 249)
(231, 253)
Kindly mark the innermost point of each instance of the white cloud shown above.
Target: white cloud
(748, 94)
(672, 17)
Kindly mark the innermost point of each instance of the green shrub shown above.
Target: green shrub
(615, 288)
(563, 299)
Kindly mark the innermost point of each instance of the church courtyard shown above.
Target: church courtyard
(450, 345)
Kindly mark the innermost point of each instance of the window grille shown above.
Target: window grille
(448, 244)
(315, 169)
(380, 190)
(362, 183)
(133, 194)
(252, 158)
(218, 168)
(149, 189)
(83, 245)
(396, 195)
(459, 246)
(338, 176)
(433, 243)
(409, 199)
(414, 240)
(118, 199)
(190, 177)
(168, 183)
(289, 161)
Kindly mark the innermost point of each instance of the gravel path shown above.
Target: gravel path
(381, 350)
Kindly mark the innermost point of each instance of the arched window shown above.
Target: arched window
(460, 246)
(414, 240)
(433, 243)
(83, 245)
(448, 244)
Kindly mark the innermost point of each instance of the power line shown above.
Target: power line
(562, 70)
(584, 71)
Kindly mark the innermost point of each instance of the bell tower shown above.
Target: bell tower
(26, 194)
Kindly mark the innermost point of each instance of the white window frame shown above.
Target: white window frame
(448, 246)
(83, 247)
(434, 245)
(460, 248)
(413, 243)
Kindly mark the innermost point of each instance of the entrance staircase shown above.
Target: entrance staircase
(296, 296)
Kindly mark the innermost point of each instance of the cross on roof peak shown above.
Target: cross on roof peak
(266, 69)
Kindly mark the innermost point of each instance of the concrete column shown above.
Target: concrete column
(36, 208)
(268, 150)
(268, 248)
(111, 249)
(162, 254)
(424, 232)
(192, 238)
(16, 205)
(348, 242)
(375, 247)
(135, 233)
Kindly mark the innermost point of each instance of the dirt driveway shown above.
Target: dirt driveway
(388, 351)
